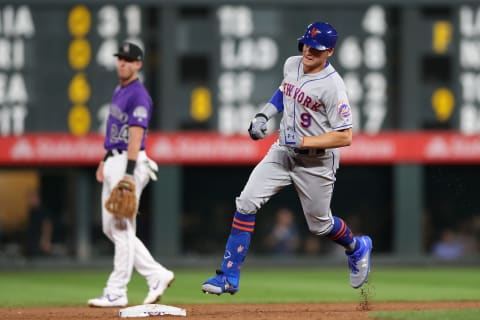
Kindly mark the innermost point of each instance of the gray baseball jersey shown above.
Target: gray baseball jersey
(313, 104)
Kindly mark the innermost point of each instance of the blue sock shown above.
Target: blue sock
(237, 246)
(341, 234)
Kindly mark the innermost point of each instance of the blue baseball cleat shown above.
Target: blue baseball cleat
(219, 284)
(359, 262)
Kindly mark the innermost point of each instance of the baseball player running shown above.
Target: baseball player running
(316, 121)
(126, 161)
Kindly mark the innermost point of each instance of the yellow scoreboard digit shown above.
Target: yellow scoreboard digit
(79, 56)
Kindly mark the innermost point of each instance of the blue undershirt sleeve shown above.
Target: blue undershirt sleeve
(277, 100)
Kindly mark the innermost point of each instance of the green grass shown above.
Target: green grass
(55, 288)
(428, 315)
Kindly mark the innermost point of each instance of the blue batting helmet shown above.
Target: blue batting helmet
(319, 36)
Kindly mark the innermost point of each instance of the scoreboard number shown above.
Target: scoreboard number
(364, 58)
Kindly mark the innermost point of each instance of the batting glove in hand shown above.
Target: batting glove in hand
(258, 127)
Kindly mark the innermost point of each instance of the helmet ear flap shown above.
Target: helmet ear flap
(300, 47)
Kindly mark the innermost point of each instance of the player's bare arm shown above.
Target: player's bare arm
(134, 141)
(333, 139)
(99, 173)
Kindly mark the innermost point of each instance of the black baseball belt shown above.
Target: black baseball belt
(309, 151)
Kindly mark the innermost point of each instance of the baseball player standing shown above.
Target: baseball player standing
(125, 159)
(316, 121)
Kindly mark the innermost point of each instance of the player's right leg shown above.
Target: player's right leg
(268, 177)
(227, 279)
(121, 232)
(115, 291)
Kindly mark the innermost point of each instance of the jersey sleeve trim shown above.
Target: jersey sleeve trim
(345, 126)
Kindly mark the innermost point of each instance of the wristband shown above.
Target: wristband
(263, 115)
(130, 167)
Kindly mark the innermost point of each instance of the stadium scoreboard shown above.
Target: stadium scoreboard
(57, 72)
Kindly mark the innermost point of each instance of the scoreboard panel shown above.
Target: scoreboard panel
(468, 60)
(255, 41)
(56, 65)
(57, 72)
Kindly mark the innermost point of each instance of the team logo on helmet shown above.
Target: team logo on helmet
(319, 36)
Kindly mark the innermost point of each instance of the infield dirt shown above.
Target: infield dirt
(315, 311)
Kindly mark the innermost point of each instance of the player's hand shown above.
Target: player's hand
(258, 127)
(129, 178)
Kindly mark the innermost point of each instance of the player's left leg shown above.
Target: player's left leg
(357, 249)
(359, 261)
(157, 276)
(321, 222)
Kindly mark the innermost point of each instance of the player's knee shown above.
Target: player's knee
(246, 206)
